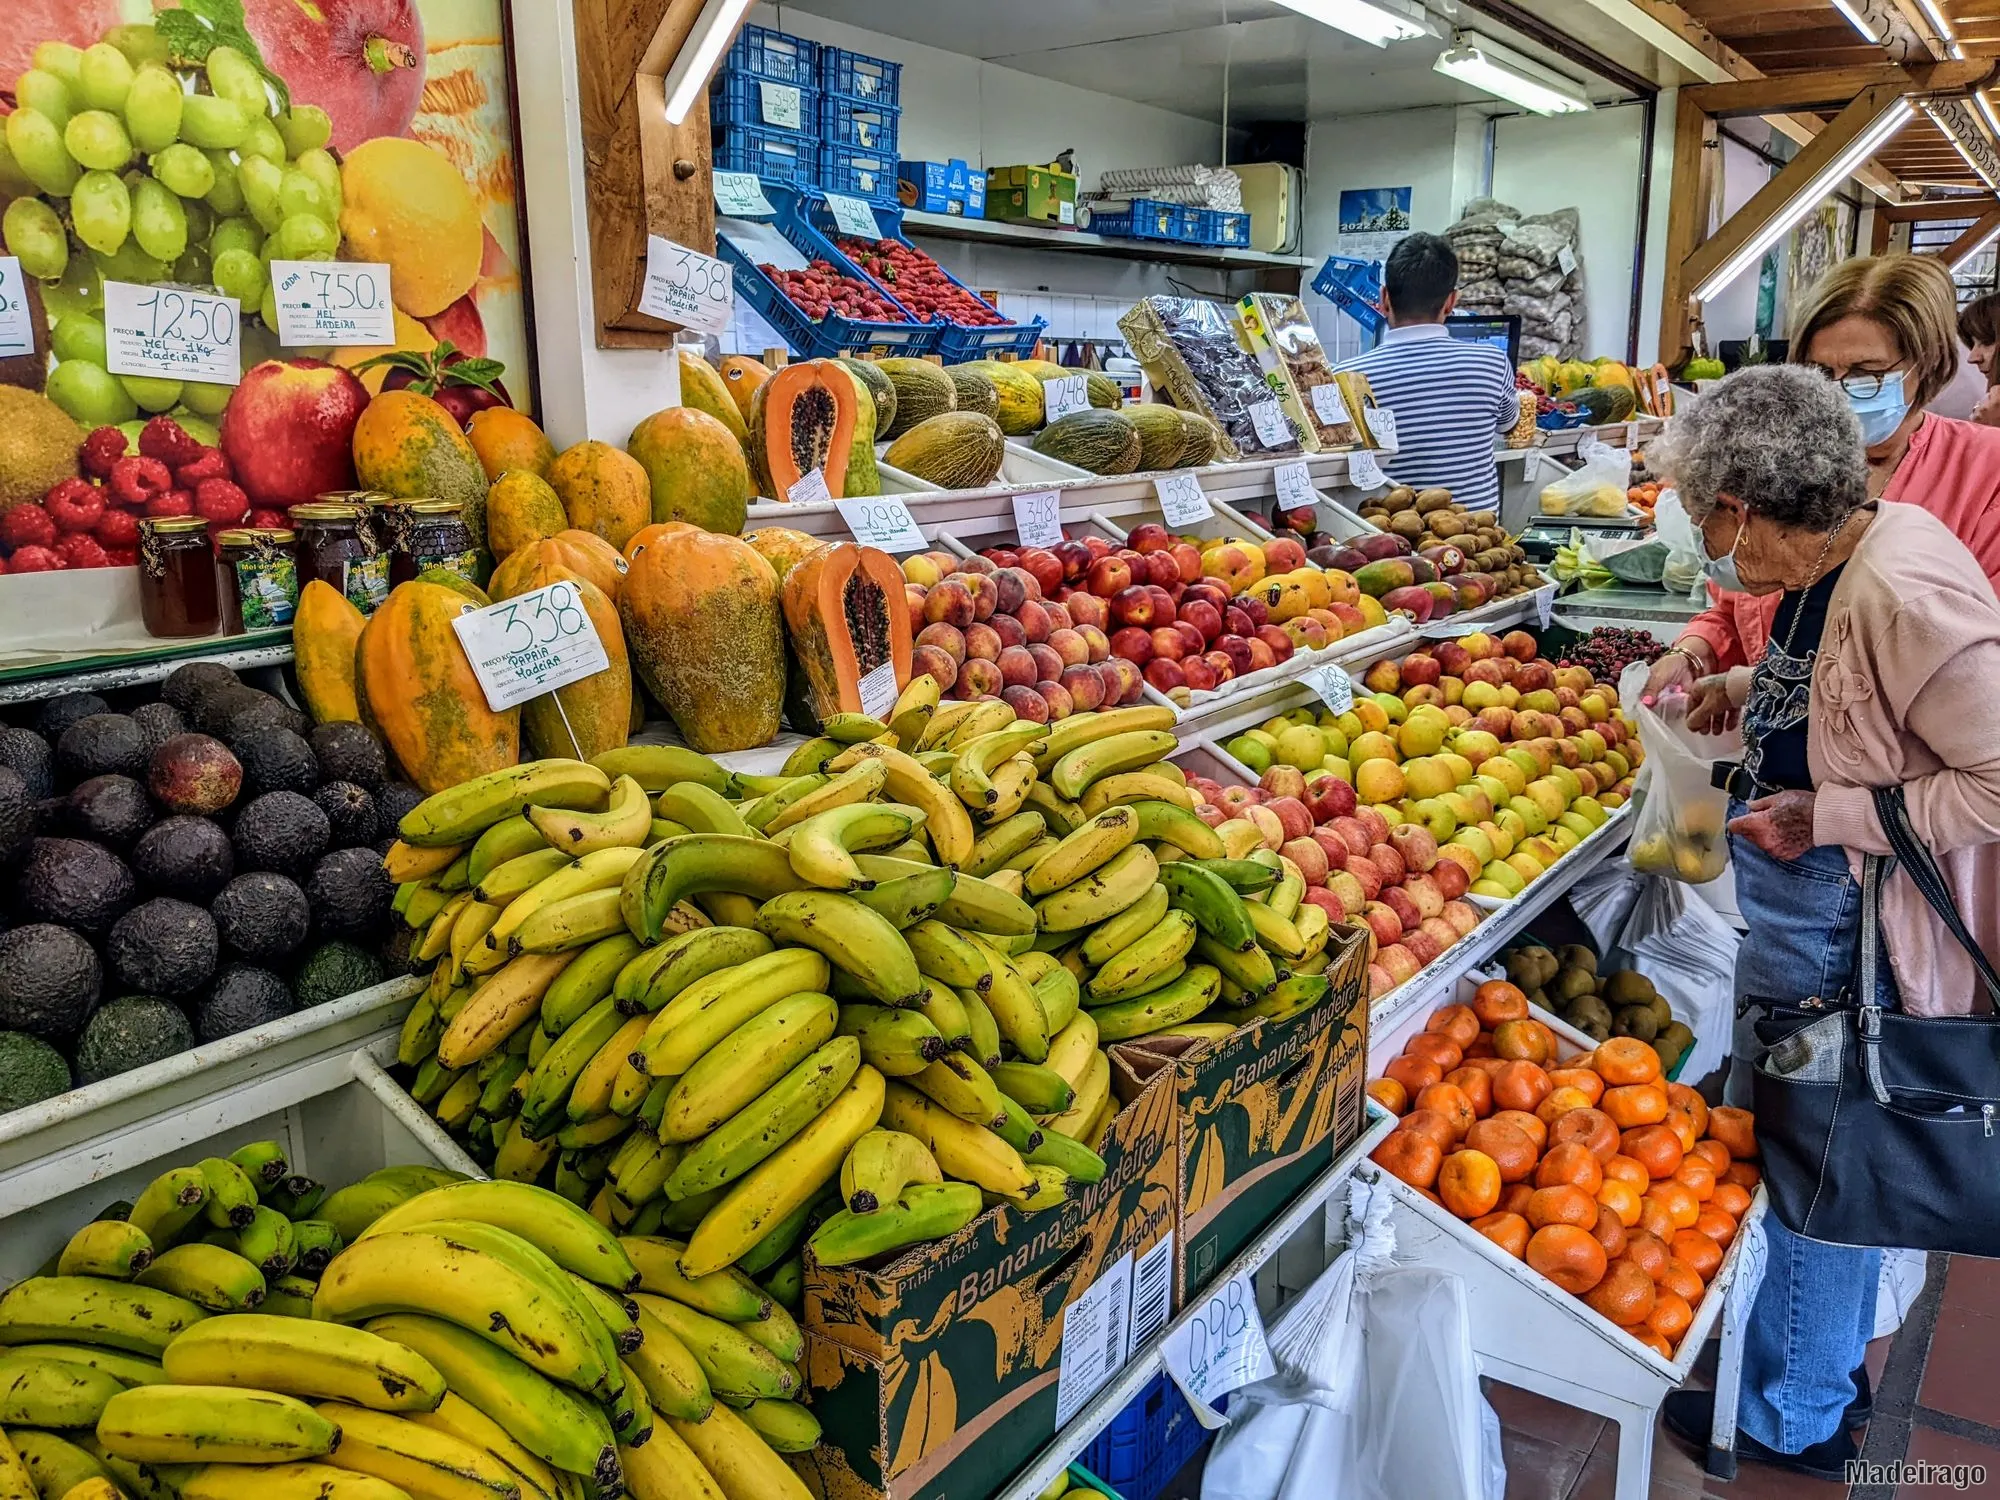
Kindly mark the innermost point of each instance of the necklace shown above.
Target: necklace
(1825, 547)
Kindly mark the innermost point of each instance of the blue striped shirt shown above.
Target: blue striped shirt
(1450, 399)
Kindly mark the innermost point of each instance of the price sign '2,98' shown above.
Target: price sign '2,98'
(172, 332)
(521, 648)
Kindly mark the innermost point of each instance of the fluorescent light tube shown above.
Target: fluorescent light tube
(714, 29)
(1941, 25)
(1972, 254)
(1375, 24)
(1808, 198)
(1855, 18)
(1947, 123)
(1476, 62)
(1986, 108)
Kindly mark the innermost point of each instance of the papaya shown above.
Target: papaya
(603, 490)
(583, 553)
(845, 615)
(695, 469)
(408, 445)
(705, 632)
(702, 390)
(741, 376)
(507, 439)
(521, 510)
(646, 535)
(863, 478)
(324, 630)
(457, 582)
(417, 692)
(880, 386)
(781, 547)
(588, 717)
(802, 419)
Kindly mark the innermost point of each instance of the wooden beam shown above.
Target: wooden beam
(1687, 224)
(1943, 208)
(1972, 238)
(1830, 88)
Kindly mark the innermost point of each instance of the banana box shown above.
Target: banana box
(1263, 1112)
(938, 1375)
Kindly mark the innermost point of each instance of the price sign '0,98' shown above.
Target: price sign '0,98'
(686, 287)
(522, 648)
(172, 332)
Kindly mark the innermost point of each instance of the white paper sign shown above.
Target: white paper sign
(1334, 686)
(879, 691)
(781, 105)
(1152, 1293)
(172, 332)
(1182, 500)
(1221, 1345)
(1382, 422)
(524, 647)
(17, 328)
(1093, 1338)
(1295, 485)
(686, 287)
(882, 521)
(1363, 472)
(1566, 258)
(1273, 431)
(1061, 397)
(1065, 212)
(740, 195)
(333, 302)
(1038, 518)
(810, 490)
(1545, 604)
(1328, 406)
(852, 216)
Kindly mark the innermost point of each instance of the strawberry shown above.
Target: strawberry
(27, 526)
(75, 504)
(136, 479)
(34, 560)
(165, 439)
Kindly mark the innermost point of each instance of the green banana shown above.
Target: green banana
(181, 1424)
(945, 954)
(314, 1243)
(946, 1013)
(735, 1364)
(297, 1197)
(38, 1392)
(264, 1162)
(1006, 841)
(745, 1062)
(727, 1294)
(1121, 931)
(657, 767)
(856, 785)
(1060, 996)
(1218, 910)
(923, 1211)
(268, 1241)
(985, 1032)
(1017, 1127)
(711, 1008)
(673, 1379)
(702, 808)
(1245, 876)
(1249, 969)
(1042, 1090)
(696, 863)
(1148, 962)
(1183, 1000)
(1015, 1006)
(957, 1083)
(767, 1122)
(785, 1425)
(655, 975)
(168, 1205)
(1102, 894)
(502, 842)
(548, 1086)
(902, 890)
(982, 905)
(206, 1275)
(588, 978)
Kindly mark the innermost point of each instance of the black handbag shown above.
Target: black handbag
(1877, 1127)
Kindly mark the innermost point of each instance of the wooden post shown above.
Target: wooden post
(1687, 224)
(1971, 239)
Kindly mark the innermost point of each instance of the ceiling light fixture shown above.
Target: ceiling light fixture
(1374, 21)
(714, 29)
(1807, 198)
(1507, 75)
(1986, 108)
(1956, 125)
(1941, 26)
(1984, 241)
(1856, 19)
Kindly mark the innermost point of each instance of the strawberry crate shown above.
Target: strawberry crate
(776, 156)
(859, 173)
(765, 53)
(743, 100)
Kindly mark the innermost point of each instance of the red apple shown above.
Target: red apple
(1420, 670)
(1371, 819)
(1424, 891)
(1416, 845)
(1132, 643)
(1399, 962)
(1449, 877)
(1210, 814)
(1329, 797)
(1292, 815)
(1237, 800)
(289, 429)
(1398, 900)
(362, 61)
(1452, 658)
(1086, 688)
(1460, 917)
(1323, 898)
(1519, 645)
(1333, 846)
(1283, 781)
(1364, 870)
(1354, 833)
(1350, 891)
(1309, 857)
(1385, 858)
(1384, 921)
(1422, 947)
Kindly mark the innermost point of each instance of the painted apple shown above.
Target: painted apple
(289, 431)
(362, 61)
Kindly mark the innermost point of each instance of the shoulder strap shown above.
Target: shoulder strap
(1923, 871)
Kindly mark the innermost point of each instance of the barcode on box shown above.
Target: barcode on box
(1153, 1290)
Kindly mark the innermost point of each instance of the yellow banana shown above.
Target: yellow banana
(902, 890)
(972, 770)
(627, 816)
(1071, 775)
(1148, 961)
(1093, 1089)
(768, 1123)
(942, 724)
(1062, 815)
(988, 905)
(858, 783)
(1182, 1000)
(913, 710)
(989, 716)
(1011, 780)
(572, 923)
(499, 1007)
(667, 1469)
(743, 1466)
(463, 1420)
(502, 842)
(111, 1248)
(1095, 844)
(850, 936)
(300, 1357)
(700, 808)
(41, 1392)
(1004, 841)
(1175, 825)
(421, 1461)
(193, 1424)
(407, 862)
(708, 1010)
(657, 767)
(946, 822)
(1126, 788)
(603, 870)
(1015, 1006)
(206, 1275)
(727, 1294)
(946, 1013)
(552, 1226)
(657, 974)
(1071, 1049)
(962, 1086)
(822, 847)
(894, 1042)
(880, 1165)
(970, 1153)
(1117, 933)
(1102, 894)
(461, 813)
(945, 954)
(475, 919)
(1080, 730)
(735, 1365)
(590, 1095)
(284, 1482)
(1275, 934)
(985, 1033)
(746, 1062)
(667, 1370)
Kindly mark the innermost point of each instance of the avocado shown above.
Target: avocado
(262, 711)
(30, 1071)
(189, 857)
(276, 760)
(163, 947)
(335, 969)
(27, 754)
(281, 831)
(194, 773)
(244, 996)
(348, 752)
(399, 950)
(112, 809)
(215, 707)
(393, 803)
(350, 811)
(17, 812)
(262, 916)
(101, 745)
(58, 714)
(49, 981)
(159, 722)
(350, 894)
(192, 680)
(128, 1033)
(74, 882)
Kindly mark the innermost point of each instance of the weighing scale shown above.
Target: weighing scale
(1544, 534)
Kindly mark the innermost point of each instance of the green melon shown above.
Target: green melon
(923, 391)
(1104, 442)
(958, 450)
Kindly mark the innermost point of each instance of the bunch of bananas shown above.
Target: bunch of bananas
(463, 1340)
(1574, 563)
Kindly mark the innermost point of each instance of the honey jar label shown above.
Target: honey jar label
(365, 581)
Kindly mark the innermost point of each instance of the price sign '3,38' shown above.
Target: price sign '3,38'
(686, 287)
(521, 648)
(172, 332)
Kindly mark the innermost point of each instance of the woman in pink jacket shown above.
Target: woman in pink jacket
(1884, 648)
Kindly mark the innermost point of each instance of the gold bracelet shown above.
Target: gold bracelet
(1688, 656)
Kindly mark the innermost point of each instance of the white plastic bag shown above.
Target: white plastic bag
(1596, 489)
(1687, 560)
(1678, 830)
(1689, 952)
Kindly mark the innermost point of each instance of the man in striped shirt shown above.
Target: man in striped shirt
(1451, 398)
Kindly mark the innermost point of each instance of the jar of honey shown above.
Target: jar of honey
(179, 593)
(331, 544)
(260, 582)
(437, 537)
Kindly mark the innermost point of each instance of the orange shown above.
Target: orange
(1735, 1128)
(1525, 1039)
(1744, 1175)
(1469, 1183)
(1634, 1104)
(1682, 1097)
(1625, 1295)
(1487, 1063)
(1681, 1123)
(1570, 1162)
(1579, 1078)
(1702, 1254)
(1731, 1199)
(1560, 1102)
(1477, 1085)
(1610, 1231)
(1591, 1128)
(1508, 1231)
(1622, 1199)
(1412, 1156)
(1509, 1147)
(1455, 1021)
(1568, 1256)
(1516, 1198)
(1391, 1095)
(1697, 1177)
(1496, 1001)
(1430, 1123)
(1548, 1037)
(1716, 1224)
(1530, 1125)
(1715, 1154)
(1435, 1046)
(1680, 1203)
(1652, 1341)
(1624, 1169)
(1626, 1059)
(1415, 1074)
(1670, 1317)
(1520, 1085)
(1562, 1204)
(1655, 1219)
(1655, 1148)
(1449, 1100)
(1481, 1046)
(1648, 1252)
(1681, 1278)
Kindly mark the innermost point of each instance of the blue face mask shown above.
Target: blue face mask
(1722, 570)
(1882, 413)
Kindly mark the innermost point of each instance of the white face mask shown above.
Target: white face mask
(1722, 570)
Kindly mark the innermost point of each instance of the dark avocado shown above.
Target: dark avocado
(163, 947)
(128, 1033)
(399, 951)
(393, 804)
(335, 969)
(350, 811)
(184, 856)
(28, 755)
(281, 831)
(350, 894)
(192, 680)
(160, 722)
(74, 882)
(49, 981)
(194, 773)
(262, 916)
(58, 714)
(212, 711)
(243, 996)
(114, 810)
(102, 745)
(265, 712)
(276, 760)
(30, 1071)
(17, 813)
(348, 752)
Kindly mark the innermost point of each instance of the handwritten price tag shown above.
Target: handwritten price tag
(172, 332)
(1182, 500)
(740, 195)
(1061, 397)
(878, 691)
(1545, 604)
(810, 490)
(1363, 472)
(1038, 518)
(1273, 431)
(1382, 422)
(17, 328)
(882, 521)
(333, 302)
(686, 287)
(1295, 486)
(1221, 1345)
(1334, 686)
(781, 105)
(852, 216)
(524, 647)
(1328, 406)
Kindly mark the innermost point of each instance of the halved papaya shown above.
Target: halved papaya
(802, 419)
(846, 617)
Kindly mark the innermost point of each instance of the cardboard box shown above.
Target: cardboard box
(936, 1376)
(975, 193)
(1031, 195)
(935, 187)
(1262, 1112)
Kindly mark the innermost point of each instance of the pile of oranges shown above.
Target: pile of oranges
(1621, 1188)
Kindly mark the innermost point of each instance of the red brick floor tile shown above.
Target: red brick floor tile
(1877, 1360)
(1973, 1285)
(1538, 1416)
(1959, 1375)
(1599, 1479)
(1538, 1469)
(1944, 1448)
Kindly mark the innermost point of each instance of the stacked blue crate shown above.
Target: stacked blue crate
(1147, 1443)
(859, 123)
(764, 107)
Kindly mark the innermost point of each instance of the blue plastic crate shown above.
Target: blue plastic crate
(1147, 1443)
(857, 123)
(740, 99)
(1355, 287)
(1141, 219)
(859, 174)
(855, 75)
(775, 54)
(1193, 224)
(774, 155)
(1230, 230)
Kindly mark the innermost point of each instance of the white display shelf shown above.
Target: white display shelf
(105, 673)
(1081, 242)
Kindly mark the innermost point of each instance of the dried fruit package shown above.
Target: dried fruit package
(1192, 350)
(1287, 346)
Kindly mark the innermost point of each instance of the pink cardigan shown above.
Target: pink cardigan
(1903, 691)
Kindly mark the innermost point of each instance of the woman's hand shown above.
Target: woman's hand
(1674, 670)
(1782, 826)
(1711, 709)
(1987, 412)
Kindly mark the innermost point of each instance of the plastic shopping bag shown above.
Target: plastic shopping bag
(1596, 489)
(1686, 570)
(1423, 1416)
(1678, 830)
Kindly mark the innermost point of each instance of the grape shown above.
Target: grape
(158, 222)
(101, 210)
(260, 181)
(152, 392)
(104, 76)
(320, 166)
(213, 123)
(153, 108)
(306, 128)
(239, 274)
(263, 140)
(13, 181)
(268, 308)
(306, 237)
(81, 290)
(234, 77)
(37, 144)
(35, 235)
(226, 197)
(300, 194)
(235, 233)
(200, 220)
(204, 398)
(38, 89)
(184, 170)
(141, 44)
(78, 336)
(97, 139)
(59, 58)
(90, 393)
(129, 263)
(193, 268)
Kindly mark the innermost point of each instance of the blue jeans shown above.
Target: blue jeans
(1816, 1308)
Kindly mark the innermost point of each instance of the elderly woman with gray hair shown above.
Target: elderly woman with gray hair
(1881, 671)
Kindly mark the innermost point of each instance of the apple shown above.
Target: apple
(1371, 820)
(980, 678)
(1236, 800)
(1292, 813)
(1485, 670)
(939, 664)
(1283, 781)
(1519, 645)
(1450, 877)
(1109, 576)
(950, 603)
(1309, 857)
(1268, 827)
(1399, 962)
(1149, 536)
(1383, 677)
(289, 428)
(946, 638)
(1420, 670)
(1440, 931)
(1018, 667)
(1364, 870)
(1210, 814)
(1397, 900)
(1386, 859)
(1416, 845)
(1325, 900)
(1383, 922)
(1353, 833)
(1422, 946)
(1424, 891)
(1132, 643)
(1380, 981)
(1351, 893)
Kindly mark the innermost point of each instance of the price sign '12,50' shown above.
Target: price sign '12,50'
(172, 332)
(333, 302)
(686, 287)
(524, 647)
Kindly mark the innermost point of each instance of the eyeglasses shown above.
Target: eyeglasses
(1862, 385)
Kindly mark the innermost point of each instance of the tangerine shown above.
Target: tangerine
(1520, 1084)
(1570, 1162)
(1648, 1252)
(1735, 1128)
(1626, 1060)
(1415, 1074)
(1681, 1096)
(1634, 1104)
(1591, 1128)
(1622, 1199)
(1564, 1203)
(1568, 1256)
(1652, 1341)
(1515, 1198)
(1655, 1219)
(1480, 1047)
(1435, 1046)
(1697, 1176)
(1496, 1001)
(1731, 1199)
(1682, 1279)
(1455, 1021)
(1410, 1155)
(1671, 1316)
(1655, 1148)
(1680, 1202)
(1529, 1124)
(1715, 1154)
(1610, 1231)
(1560, 1102)
(1486, 1062)
(1744, 1175)
(1716, 1224)
(1429, 1196)
(1526, 1040)
(1449, 1100)
(1469, 1183)
(1548, 1034)
(1508, 1231)
(1581, 1079)
(1625, 1295)
(1430, 1123)
(1391, 1095)
(1624, 1169)
(1681, 1123)
(1702, 1254)
(1477, 1085)
(1512, 1152)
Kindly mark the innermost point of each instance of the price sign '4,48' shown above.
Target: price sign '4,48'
(524, 647)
